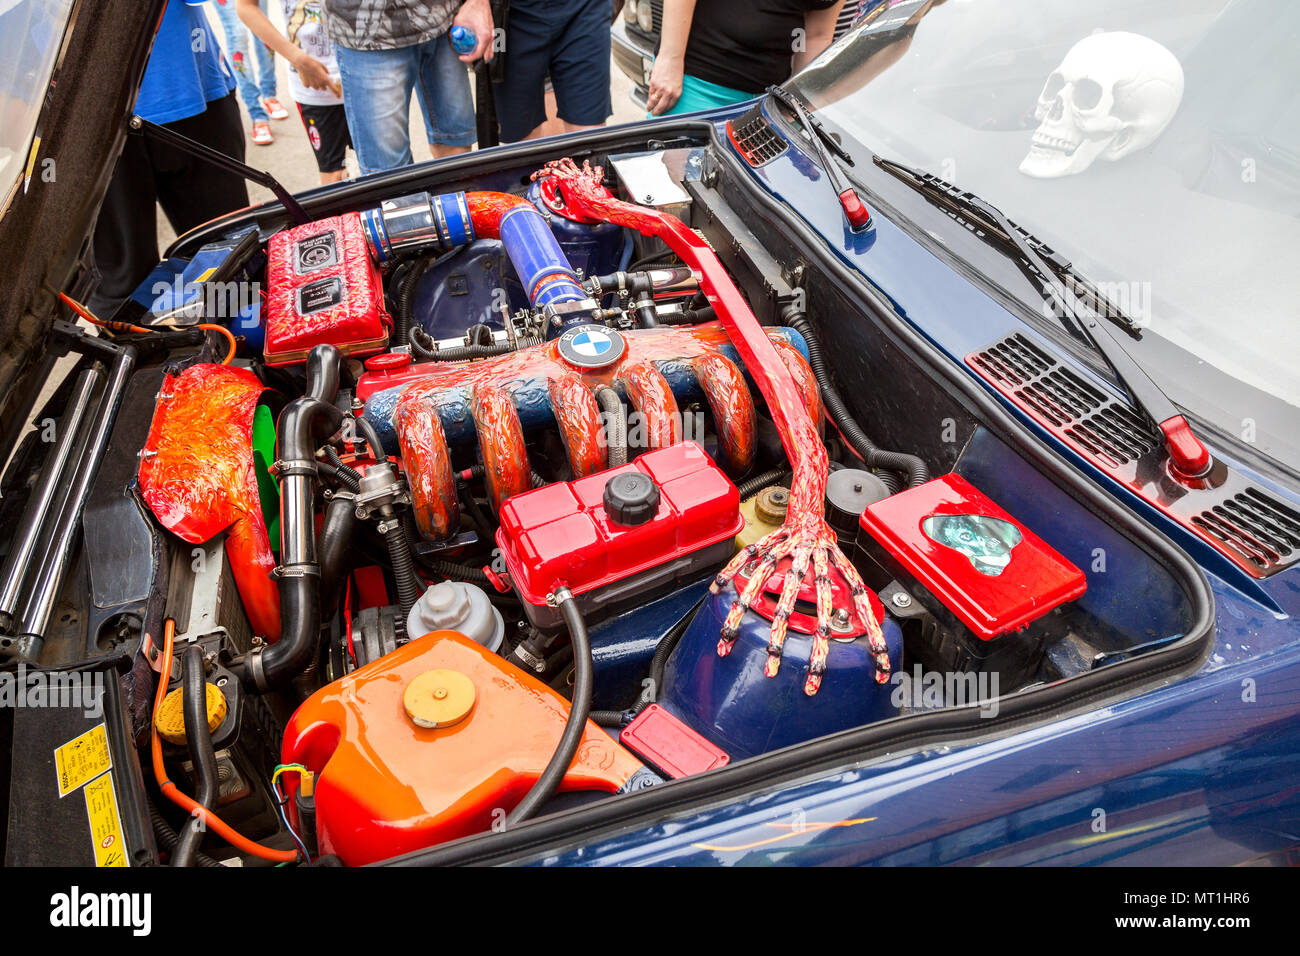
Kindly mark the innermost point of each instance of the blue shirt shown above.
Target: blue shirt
(187, 68)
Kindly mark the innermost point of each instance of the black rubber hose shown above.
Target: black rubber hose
(302, 424)
(687, 316)
(457, 572)
(464, 353)
(167, 838)
(336, 532)
(345, 475)
(909, 465)
(579, 708)
(371, 435)
(658, 663)
(753, 486)
(406, 286)
(611, 407)
(408, 583)
(195, 703)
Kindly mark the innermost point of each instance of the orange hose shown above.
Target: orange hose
(86, 314)
(210, 819)
(226, 332)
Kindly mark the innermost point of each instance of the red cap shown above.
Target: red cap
(1186, 453)
(854, 210)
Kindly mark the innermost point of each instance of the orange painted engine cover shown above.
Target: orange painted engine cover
(386, 786)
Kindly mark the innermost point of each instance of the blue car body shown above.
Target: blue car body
(1203, 770)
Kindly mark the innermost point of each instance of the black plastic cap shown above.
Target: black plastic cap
(631, 498)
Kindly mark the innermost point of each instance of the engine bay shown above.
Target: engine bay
(520, 494)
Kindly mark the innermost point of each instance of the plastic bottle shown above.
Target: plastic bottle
(463, 39)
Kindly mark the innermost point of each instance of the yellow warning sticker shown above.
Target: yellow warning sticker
(82, 759)
(105, 824)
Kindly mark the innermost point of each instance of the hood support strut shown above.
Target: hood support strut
(142, 127)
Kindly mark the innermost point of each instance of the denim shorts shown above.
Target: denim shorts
(377, 88)
(567, 39)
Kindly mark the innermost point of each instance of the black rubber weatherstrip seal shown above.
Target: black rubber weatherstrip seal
(586, 825)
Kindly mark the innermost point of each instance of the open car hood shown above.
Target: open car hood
(45, 231)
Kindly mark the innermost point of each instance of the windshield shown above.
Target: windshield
(1155, 143)
(30, 34)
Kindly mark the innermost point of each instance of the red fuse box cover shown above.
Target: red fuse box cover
(562, 534)
(992, 572)
(323, 289)
(661, 738)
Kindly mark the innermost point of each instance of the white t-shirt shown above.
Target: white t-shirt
(305, 28)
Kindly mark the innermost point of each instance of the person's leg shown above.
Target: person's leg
(580, 66)
(191, 191)
(520, 97)
(265, 65)
(377, 97)
(125, 240)
(553, 126)
(445, 99)
(327, 131)
(237, 45)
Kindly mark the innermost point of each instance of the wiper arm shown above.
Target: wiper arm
(1189, 457)
(855, 211)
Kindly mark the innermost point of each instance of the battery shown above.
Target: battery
(323, 289)
(987, 578)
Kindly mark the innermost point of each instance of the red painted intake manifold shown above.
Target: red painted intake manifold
(554, 384)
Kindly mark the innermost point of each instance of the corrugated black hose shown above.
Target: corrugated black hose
(915, 470)
(345, 475)
(399, 554)
(752, 486)
(615, 425)
(167, 838)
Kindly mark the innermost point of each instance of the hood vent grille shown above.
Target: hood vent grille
(1256, 530)
(1256, 524)
(755, 139)
(1107, 428)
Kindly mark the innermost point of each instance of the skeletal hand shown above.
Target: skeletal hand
(810, 544)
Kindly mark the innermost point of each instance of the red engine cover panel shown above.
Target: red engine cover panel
(561, 533)
(993, 578)
(323, 289)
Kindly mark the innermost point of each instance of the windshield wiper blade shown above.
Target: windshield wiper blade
(855, 211)
(1188, 456)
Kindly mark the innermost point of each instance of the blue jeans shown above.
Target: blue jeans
(238, 41)
(377, 88)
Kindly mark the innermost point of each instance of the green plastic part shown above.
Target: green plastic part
(268, 495)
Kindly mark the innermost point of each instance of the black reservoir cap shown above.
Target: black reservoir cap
(631, 498)
(848, 493)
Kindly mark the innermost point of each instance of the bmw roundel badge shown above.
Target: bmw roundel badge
(591, 346)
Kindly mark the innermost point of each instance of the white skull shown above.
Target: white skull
(1113, 94)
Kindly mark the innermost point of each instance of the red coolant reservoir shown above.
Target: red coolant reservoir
(620, 534)
(323, 289)
(435, 741)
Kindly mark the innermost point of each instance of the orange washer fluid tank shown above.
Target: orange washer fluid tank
(435, 741)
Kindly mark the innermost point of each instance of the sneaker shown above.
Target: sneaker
(262, 134)
(273, 108)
